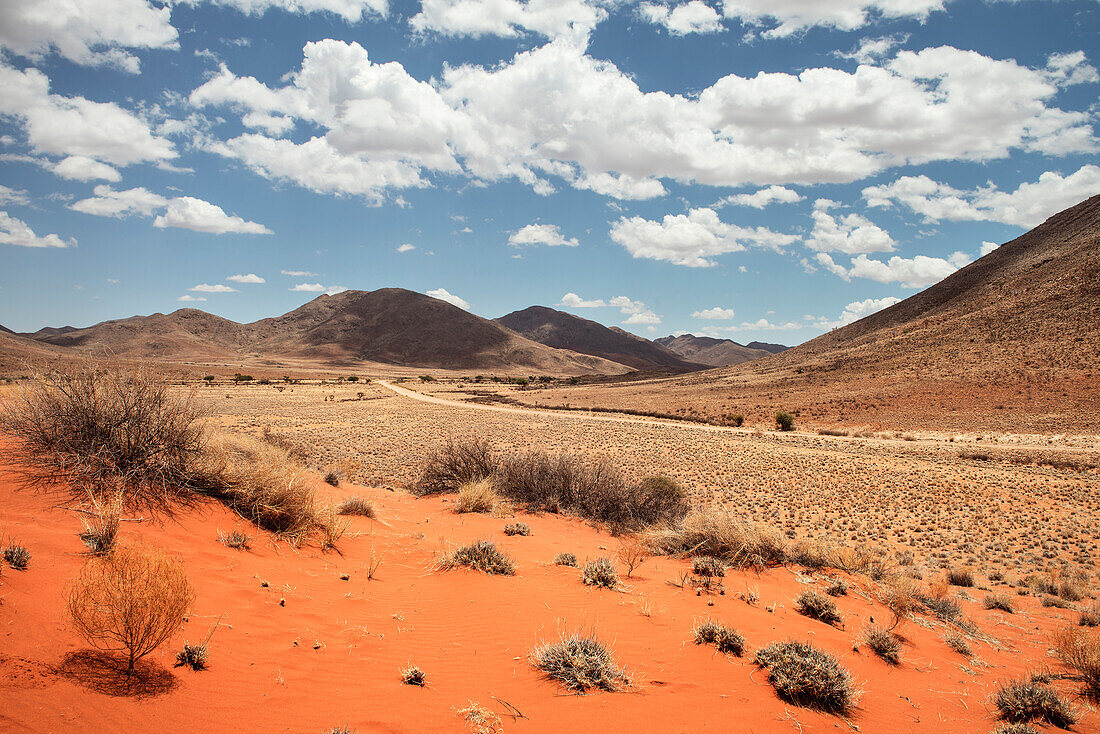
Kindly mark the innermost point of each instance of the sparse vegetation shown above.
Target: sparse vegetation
(883, 643)
(481, 720)
(477, 496)
(958, 643)
(632, 555)
(1079, 651)
(806, 676)
(357, 506)
(815, 606)
(414, 676)
(717, 532)
(960, 577)
(517, 528)
(600, 572)
(132, 601)
(1000, 601)
(784, 421)
(565, 559)
(192, 656)
(456, 464)
(482, 555)
(837, 588)
(580, 662)
(101, 527)
(1090, 617)
(725, 639)
(1021, 701)
(17, 556)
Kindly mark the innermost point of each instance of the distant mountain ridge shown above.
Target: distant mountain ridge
(717, 352)
(387, 326)
(563, 330)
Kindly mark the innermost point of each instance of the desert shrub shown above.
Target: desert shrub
(806, 676)
(1030, 700)
(481, 720)
(632, 555)
(717, 532)
(92, 426)
(1002, 602)
(1079, 651)
(837, 588)
(192, 656)
(1090, 617)
(132, 601)
(737, 420)
(457, 463)
(414, 676)
(900, 595)
(593, 490)
(958, 643)
(565, 559)
(235, 539)
(332, 477)
(17, 556)
(261, 483)
(579, 662)
(1016, 729)
(960, 577)
(477, 496)
(784, 421)
(482, 555)
(101, 528)
(726, 639)
(1054, 601)
(600, 572)
(816, 606)
(358, 506)
(517, 528)
(943, 607)
(883, 643)
(708, 567)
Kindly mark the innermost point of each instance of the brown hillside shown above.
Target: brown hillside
(565, 331)
(1011, 342)
(710, 351)
(389, 326)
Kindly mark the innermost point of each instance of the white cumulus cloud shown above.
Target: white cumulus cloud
(691, 239)
(187, 212)
(763, 197)
(443, 295)
(406, 247)
(572, 300)
(680, 20)
(17, 232)
(541, 234)
(191, 299)
(216, 288)
(1027, 206)
(850, 233)
(714, 314)
(570, 19)
(785, 17)
(246, 278)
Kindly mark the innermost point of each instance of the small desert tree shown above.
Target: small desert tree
(131, 601)
(784, 421)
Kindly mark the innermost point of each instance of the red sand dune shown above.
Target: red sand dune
(331, 655)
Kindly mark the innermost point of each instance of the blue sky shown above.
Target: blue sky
(752, 169)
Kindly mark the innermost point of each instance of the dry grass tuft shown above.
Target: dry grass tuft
(806, 676)
(726, 639)
(883, 643)
(101, 528)
(1021, 701)
(580, 662)
(456, 464)
(717, 532)
(1079, 650)
(480, 720)
(816, 606)
(358, 506)
(517, 528)
(1000, 601)
(566, 559)
(482, 555)
(477, 496)
(132, 600)
(414, 676)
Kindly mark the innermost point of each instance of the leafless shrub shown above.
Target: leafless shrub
(632, 555)
(101, 527)
(457, 463)
(105, 426)
(132, 600)
(1079, 650)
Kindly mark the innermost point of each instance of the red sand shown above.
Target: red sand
(331, 656)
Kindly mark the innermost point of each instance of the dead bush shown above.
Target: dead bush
(131, 601)
(632, 555)
(94, 426)
(1079, 650)
(482, 555)
(457, 463)
(358, 506)
(101, 526)
(883, 643)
